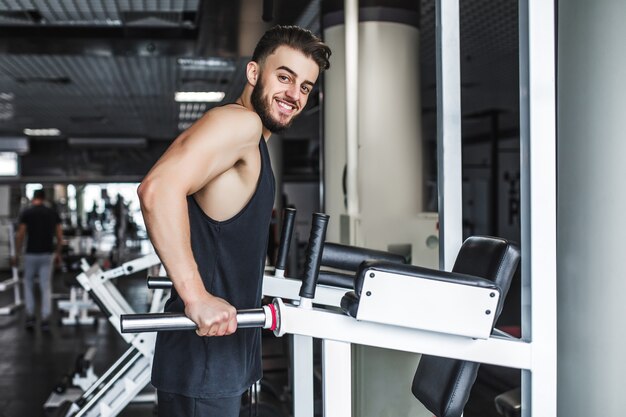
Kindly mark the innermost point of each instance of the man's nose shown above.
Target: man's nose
(293, 92)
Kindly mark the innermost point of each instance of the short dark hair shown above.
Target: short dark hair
(39, 194)
(295, 37)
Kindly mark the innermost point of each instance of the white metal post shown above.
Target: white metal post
(352, 84)
(303, 394)
(337, 378)
(538, 191)
(351, 13)
(449, 132)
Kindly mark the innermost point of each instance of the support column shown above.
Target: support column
(591, 207)
(389, 144)
(389, 169)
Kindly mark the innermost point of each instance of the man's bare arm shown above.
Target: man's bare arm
(212, 146)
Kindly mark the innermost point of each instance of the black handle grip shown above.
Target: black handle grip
(289, 219)
(314, 255)
(159, 282)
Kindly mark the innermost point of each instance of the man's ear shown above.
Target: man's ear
(252, 72)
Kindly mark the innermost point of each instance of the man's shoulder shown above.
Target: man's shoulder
(233, 120)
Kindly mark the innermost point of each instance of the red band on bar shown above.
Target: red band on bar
(274, 321)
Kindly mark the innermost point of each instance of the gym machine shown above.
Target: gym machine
(401, 307)
(79, 305)
(123, 382)
(14, 280)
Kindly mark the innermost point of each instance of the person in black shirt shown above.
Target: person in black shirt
(39, 224)
(207, 205)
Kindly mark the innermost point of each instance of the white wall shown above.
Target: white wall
(591, 208)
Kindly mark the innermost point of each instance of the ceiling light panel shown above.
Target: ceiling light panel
(93, 13)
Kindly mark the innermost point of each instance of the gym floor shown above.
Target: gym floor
(32, 363)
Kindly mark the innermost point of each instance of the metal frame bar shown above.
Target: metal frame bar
(352, 109)
(538, 182)
(289, 288)
(449, 182)
(328, 325)
(537, 28)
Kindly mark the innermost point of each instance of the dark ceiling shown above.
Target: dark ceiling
(104, 74)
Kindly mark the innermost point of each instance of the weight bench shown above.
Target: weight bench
(471, 299)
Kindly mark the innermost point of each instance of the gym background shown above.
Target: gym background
(93, 92)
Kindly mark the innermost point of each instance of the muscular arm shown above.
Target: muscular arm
(208, 149)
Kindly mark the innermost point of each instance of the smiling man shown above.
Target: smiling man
(207, 205)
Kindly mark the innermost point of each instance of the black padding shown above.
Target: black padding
(446, 395)
(509, 403)
(443, 385)
(350, 303)
(492, 258)
(349, 258)
(419, 272)
(336, 279)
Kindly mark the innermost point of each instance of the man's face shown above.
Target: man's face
(284, 83)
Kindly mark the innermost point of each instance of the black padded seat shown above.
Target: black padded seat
(443, 385)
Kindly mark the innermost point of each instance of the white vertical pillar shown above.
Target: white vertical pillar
(591, 207)
(303, 403)
(387, 141)
(449, 169)
(389, 169)
(337, 381)
(538, 185)
(351, 8)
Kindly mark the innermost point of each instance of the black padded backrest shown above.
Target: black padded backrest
(443, 385)
(492, 258)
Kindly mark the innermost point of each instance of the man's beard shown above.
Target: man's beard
(262, 107)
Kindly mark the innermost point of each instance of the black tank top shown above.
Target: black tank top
(231, 259)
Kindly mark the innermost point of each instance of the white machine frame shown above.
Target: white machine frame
(339, 331)
(130, 374)
(537, 70)
(535, 354)
(13, 281)
(79, 305)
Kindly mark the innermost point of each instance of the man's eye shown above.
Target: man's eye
(305, 89)
(283, 78)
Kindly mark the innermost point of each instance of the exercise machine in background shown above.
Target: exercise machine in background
(126, 380)
(13, 282)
